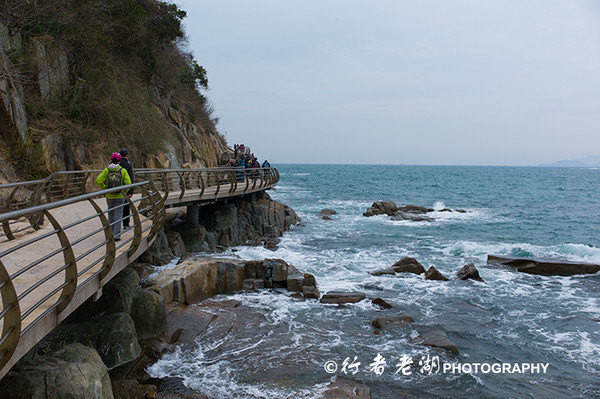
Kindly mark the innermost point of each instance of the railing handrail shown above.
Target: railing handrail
(57, 204)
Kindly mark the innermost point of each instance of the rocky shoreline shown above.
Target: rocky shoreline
(106, 348)
(103, 349)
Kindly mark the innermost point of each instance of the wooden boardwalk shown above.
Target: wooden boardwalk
(47, 273)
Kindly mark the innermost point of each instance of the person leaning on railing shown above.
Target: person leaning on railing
(114, 176)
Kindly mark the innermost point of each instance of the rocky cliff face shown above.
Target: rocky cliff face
(51, 141)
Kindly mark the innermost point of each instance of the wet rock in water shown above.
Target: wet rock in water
(75, 371)
(433, 274)
(468, 272)
(460, 211)
(408, 265)
(413, 217)
(415, 209)
(295, 279)
(327, 212)
(386, 323)
(253, 284)
(437, 339)
(544, 267)
(310, 292)
(309, 287)
(381, 303)
(272, 244)
(382, 272)
(297, 296)
(382, 208)
(325, 217)
(341, 297)
(445, 210)
(370, 286)
(345, 388)
(131, 389)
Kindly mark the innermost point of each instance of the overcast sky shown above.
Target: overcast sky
(462, 82)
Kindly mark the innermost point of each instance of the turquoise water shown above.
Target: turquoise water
(510, 318)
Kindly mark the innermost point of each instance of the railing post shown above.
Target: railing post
(71, 270)
(181, 184)
(253, 180)
(111, 250)
(6, 208)
(233, 187)
(137, 229)
(202, 183)
(11, 323)
(218, 183)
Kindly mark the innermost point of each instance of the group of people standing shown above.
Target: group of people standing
(244, 158)
(118, 173)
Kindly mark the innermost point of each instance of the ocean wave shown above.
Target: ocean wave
(480, 250)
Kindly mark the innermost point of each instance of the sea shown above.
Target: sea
(299, 347)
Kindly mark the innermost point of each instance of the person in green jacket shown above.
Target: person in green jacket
(114, 176)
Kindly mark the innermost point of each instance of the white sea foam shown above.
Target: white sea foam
(573, 252)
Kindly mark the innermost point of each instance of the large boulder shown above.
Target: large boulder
(159, 252)
(408, 265)
(433, 274)
(118, 293)
(148, 314)
(341, 297)
(544, 267)
(73, 372)
(191, 281)
(230, 276)
(116, 340)
(468, 272)
(113, 336)
(381, 208)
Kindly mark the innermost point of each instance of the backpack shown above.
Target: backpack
(114, 178)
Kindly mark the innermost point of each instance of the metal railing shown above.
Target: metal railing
(62, 185)
(57, 246)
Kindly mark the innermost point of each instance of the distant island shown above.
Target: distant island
(591, 161)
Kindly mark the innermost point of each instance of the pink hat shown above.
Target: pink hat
(115, 156)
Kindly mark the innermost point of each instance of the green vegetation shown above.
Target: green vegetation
(125, 57)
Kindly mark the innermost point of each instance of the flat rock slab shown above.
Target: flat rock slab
(382, 272)
(341, 297)
(544, 267)
(437, 339)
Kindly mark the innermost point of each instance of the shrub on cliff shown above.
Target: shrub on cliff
(125, 59)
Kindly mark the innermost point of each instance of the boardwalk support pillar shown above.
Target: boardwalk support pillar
(193, 214)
